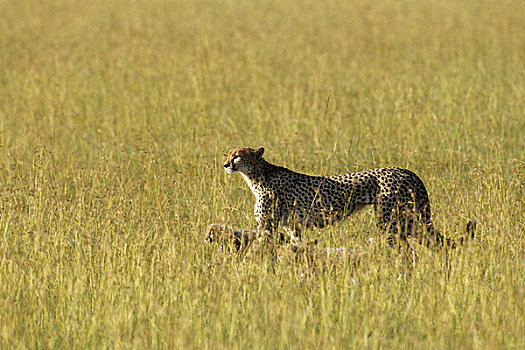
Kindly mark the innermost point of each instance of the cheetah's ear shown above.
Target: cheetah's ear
(259, 152)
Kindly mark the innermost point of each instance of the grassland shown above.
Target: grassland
(114, 116)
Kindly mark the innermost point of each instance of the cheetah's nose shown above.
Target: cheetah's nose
(226, 165)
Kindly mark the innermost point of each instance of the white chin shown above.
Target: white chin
(229, 170)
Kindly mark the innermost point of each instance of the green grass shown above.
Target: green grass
(114, 116)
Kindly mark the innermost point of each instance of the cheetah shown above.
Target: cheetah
(247, 241)
(297, 201)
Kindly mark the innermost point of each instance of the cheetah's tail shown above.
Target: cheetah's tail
(470, 234)
(471, 228)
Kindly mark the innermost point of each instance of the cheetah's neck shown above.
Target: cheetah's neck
(252, 183)
(257, 180)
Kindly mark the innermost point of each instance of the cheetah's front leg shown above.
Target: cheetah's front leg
(266, 215)
(269, 214)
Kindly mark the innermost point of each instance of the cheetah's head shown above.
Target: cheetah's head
(242, 159)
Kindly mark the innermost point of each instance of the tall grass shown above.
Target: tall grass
(114, 116)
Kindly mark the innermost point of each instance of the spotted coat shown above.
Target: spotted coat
(297, 201)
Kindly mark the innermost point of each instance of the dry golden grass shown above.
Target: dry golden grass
(114, 116)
